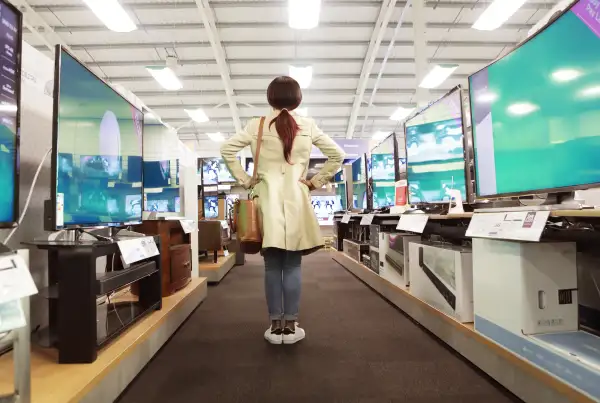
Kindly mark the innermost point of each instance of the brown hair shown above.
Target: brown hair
(284, 94)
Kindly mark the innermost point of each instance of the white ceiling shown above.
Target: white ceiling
(258, 45)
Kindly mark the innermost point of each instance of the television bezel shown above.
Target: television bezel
(466, 171)
(17, 156)
(563, 189)
(54, 166)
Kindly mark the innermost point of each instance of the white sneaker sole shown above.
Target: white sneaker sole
(292, 339)
(275, 339)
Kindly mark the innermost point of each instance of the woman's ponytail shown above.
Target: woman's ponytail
(287, 128)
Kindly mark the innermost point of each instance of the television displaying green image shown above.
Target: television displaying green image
(435, 151)
(536, 112)
(384, 193)
(96, 132)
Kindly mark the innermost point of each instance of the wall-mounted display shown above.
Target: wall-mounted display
(435, 151)
(211, 207)
(536, 112)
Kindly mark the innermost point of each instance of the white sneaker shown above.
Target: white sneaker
(274, 337)
(291, 337)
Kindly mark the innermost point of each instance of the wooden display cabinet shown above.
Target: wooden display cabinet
(175, 252)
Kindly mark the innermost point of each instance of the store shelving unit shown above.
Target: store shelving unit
(21, 356)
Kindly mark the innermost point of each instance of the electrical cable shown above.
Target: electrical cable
(33, 182)
(115, 310)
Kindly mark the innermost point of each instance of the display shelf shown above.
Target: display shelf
(117, 364)
(525, 380)
(215, 272)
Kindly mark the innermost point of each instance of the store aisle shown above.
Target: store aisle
(358, 349)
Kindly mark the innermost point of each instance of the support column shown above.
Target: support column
(421, 60)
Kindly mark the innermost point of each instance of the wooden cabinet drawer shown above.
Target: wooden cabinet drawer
(181, 265)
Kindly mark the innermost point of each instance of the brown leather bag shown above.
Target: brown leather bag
(246, 214)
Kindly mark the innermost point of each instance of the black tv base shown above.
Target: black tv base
(75, 288)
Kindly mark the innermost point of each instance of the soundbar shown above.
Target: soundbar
(113, 280)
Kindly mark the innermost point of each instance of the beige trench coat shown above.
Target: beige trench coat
(288, 218)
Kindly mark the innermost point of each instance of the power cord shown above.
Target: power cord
(33, 182)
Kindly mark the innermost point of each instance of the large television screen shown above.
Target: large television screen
(95, 132)
(384, 193)
(157, 174)
(382, 159)
(435, 151)
(325, 206)
(358, 171)
(10, 101)
(165, 201)
(536, 112)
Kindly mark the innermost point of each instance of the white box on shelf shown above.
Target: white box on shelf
(394, 257)
(442, 276)
(525, 288)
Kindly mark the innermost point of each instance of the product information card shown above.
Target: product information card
(134, 250)
(346, 218)
(413, 223)
(15, 280)
(514, 226)
(367, 219)
(188, 226)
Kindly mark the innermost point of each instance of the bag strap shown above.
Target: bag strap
(258, 144)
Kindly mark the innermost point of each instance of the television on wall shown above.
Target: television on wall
(435, 151)
(536, 112)
(96, 130)
(11, 32)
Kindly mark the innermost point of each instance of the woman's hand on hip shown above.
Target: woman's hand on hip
(308, 184)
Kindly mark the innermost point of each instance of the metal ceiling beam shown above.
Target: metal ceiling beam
(208, 19)
(189, 4)
(38, 26)
(385, 15)
(305, 93)
(404, 60)
(179, 26)
(317, 43)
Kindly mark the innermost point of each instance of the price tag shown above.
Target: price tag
(515, 226)
(134, 250)
(11, 316)
(15, 280)
(367, 219)
(346, 218)
(413, 223)
(188, 226)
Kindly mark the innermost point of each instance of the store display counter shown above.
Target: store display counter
(117, 364)
(520, 376)
(214, 272)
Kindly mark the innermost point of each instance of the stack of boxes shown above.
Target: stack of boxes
(394, 257)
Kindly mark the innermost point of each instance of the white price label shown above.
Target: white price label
(367, 219)
(515, 226)
(346, 218)
(134, 250)
(188, 226)
(15, 280)
(412, 223)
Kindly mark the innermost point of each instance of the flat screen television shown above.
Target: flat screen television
(134, 168)
(384, 172)
(325, 206)
(157, 174)
(165, 201)
(11, 32)
(536, 112)
(359, 174)
(435, 151)
(384, 193)
(210, 171)
(211, 207)
(96, 130)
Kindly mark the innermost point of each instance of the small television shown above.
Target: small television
(134, 168)
(11, 33)
(164, 201)
(211, 207)
(157, 174)
(223, 174)
(535, 113)
(325, 206)
(435, 151)
(383, 161)
(100, 130)
(210, 171)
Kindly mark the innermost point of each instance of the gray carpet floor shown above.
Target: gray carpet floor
(358, 348)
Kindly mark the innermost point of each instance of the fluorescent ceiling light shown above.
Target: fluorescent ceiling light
(522, 108)
(564, 75)
(302, 111)
(8, 108)
(401, 113)
(591, 92)
(216, 137)
(487, 97)
(197, 115)
(304, 14)
(380, 135)
(302, 74)
(112, 14)
(497, 14)
(165, 77)
(438, 75)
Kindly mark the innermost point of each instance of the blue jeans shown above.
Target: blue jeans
(283, 283)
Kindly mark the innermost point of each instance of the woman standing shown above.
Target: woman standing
(290, 227)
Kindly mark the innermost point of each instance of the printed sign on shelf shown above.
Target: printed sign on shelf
(15, 280)
(346, 218)
(514, 226)
(367, 219)
(413, 223)
(188, 226)
(134, 250)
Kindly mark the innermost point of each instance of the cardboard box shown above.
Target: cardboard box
(525, 288)
(355, 250)
(394, 257)
(442, 276)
